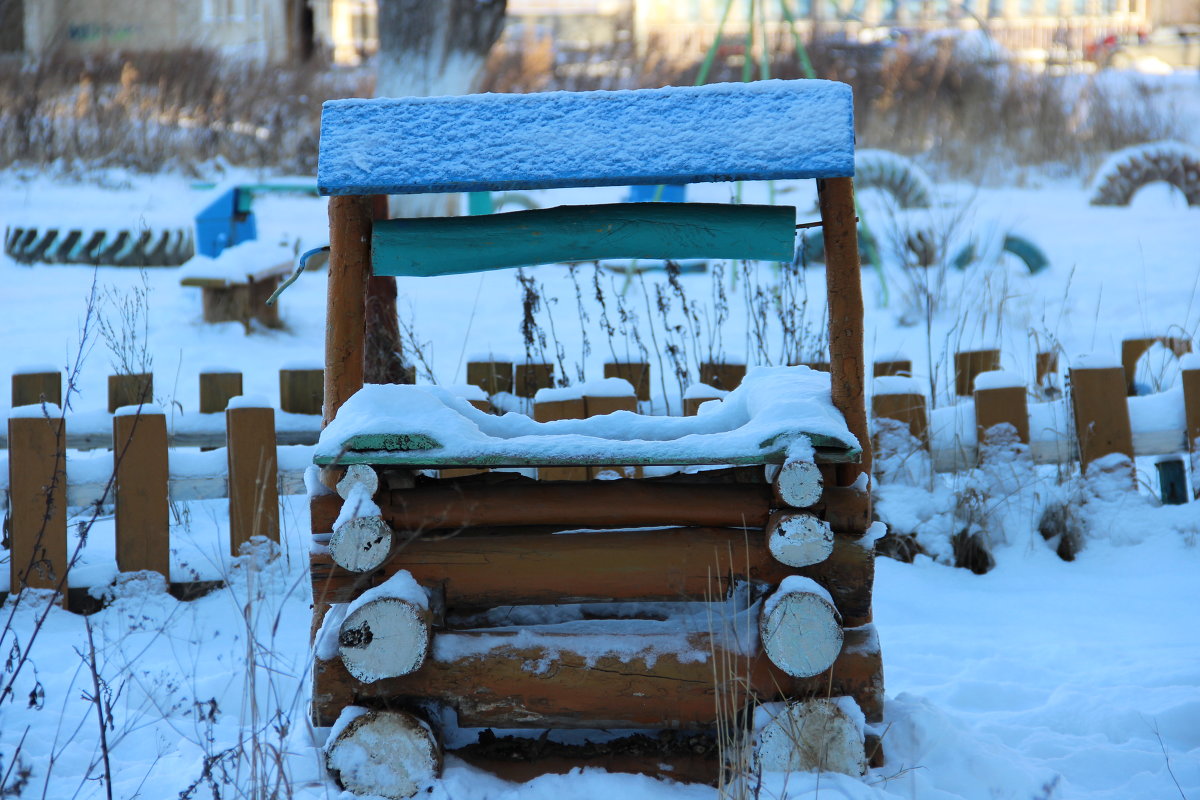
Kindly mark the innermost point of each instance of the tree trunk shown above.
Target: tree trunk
(425, 49)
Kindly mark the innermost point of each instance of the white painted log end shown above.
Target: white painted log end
(801, 630)
(798, 483)
(799, 539)
(811, 735)
(358, 474)
(384, 753)
(385, 638)
(361, 544)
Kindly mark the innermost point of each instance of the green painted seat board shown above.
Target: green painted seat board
(453, 245)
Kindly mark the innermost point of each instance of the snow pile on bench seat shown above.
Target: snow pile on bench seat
(775, 409)
(238, 264)
(721, 132)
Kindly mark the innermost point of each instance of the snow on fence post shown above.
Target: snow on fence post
(37, 489)
(722, 374)
(36, 385)
(968, 364)
(1000, 398)
(141, 471)
(1101, 412)
(636, 372)
(554, 404)
(892, 366)
(301, 389)
(491, 376)
(135, 389)
(1134, 349)
(253, 471)
(529, 377)
(1190, 378)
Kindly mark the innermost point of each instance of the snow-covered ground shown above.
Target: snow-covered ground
(1042, 679)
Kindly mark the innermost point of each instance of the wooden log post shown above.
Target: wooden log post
(36, 385)
(1000, 400)
(901, 399)
(800, 628)
(37, 497)
(637, 373)
(722, 375)
(839, 223)
(391, 754)
(301, 390)
(130, 390)
(530, 377)
(492, 377)
(1102, 423)
(1133, 349)
(253, 473)
(549, 405)
(809, 736)
(350, 219)
(799, 539)
(1190, 378)
(217, 388)
(387, 635)
(141, 471)
(968, 364)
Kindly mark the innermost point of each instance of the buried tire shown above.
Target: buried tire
(907, 183)
(74, 244)
(1126, 171)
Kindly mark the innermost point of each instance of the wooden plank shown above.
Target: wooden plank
(552, 758)
(491, 376)
(130, 390)
(142, 515)
(843, 281)
(35, 388)
(217, 389)
(968, 364)
(428, 246)
(721, 375)
(548, 411)
(301, 391)
(906, 408)
(501, 142)
(591, 504)
(253, 476)
(1101, 413)
(1133, 349)
(37, 490)
(636, 372)
(345, 310)
(528, 378)
(1190, 378)
(497, 688)
(1000, 405)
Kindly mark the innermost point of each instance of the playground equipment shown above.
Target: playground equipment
(774, 526)
(1126, 171)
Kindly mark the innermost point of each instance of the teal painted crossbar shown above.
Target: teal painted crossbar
(764, 130)
(425, 247)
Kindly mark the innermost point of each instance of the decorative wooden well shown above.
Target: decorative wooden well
(757, 551)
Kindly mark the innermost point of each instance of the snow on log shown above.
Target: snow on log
(799, 539)
(798, 483)
(361, 544)
(386, 630)
(385, 753)
(811, 735)
(801, 630)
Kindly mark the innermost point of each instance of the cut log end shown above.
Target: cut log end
(798, 484)
(358, 474)
(384, 753)
(811, 735)
(362, 544)
(799, 539)
(385, 638)
(801, 633)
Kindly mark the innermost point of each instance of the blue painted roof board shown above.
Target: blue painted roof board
(765, 130)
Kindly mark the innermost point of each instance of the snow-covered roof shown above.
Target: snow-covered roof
(775, 412)
(727, 131)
